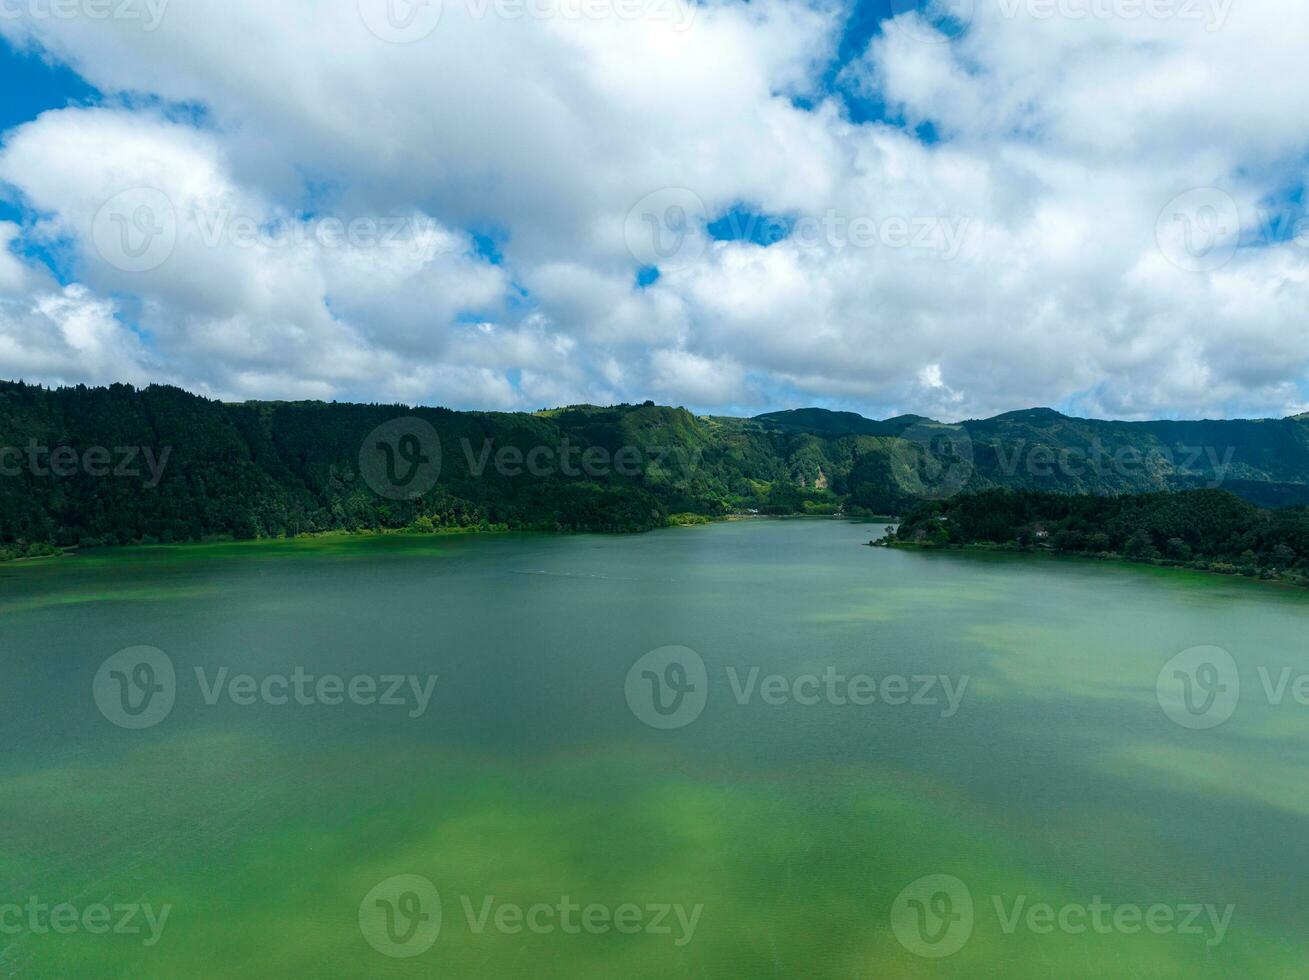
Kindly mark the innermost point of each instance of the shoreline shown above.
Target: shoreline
(1108, 557)
(674, 521)
(226, 541)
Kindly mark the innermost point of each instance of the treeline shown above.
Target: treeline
(1210, 530)
(201, 469)
(103, 466)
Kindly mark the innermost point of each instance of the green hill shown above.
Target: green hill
(1201, 529)
(200, 468)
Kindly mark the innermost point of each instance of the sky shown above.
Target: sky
(952, 208)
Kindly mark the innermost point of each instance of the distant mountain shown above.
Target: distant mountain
(199, 467)
(1175, 455)
(1264, 460)
(822, 422)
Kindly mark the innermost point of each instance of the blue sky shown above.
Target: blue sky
(736, 207)
(29, 85)
(32, 82)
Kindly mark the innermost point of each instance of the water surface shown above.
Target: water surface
(1059, 779)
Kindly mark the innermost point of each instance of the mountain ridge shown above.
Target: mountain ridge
(1034, 412)
(269, 468)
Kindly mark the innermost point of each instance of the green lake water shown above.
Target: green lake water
(815, 837)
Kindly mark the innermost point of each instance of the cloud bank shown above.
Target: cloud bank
(1093, 204)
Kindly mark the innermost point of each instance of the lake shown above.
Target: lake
(754, 749)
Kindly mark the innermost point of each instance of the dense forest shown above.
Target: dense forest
(101, 466)
(1203, 529)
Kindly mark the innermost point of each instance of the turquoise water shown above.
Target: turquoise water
(772, 827)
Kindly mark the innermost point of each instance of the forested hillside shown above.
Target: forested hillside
(87, 466)
(1210, 530)
(276, 468)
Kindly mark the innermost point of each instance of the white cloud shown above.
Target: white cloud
(1014, 262)
(67, 336)
(239, 292)
(686, 378)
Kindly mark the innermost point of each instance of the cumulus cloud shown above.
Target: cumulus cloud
(1000, 238)
(233, 288)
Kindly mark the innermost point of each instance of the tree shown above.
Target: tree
(1140, 545)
